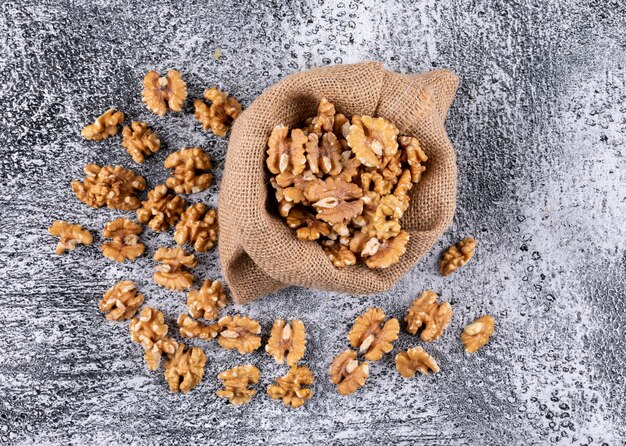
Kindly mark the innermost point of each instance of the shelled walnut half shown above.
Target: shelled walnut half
(172, 273)
(103, 127)
(240, 333)
(415, 360)
(237, 383)
(121, 302)
(191, 328)
(290, 387)
(219, 116)
(69, 236)
(125, 244)
(287, 339)
(207, 301)
(346, 372)
(371, 337)
(150, 330)
(477, 334)
(190, 174)
(159, 93)
(161, 210)
(457, 256)
(113, 186)
(184, 368)
(198, 227)
(427, 314)
(139, 140)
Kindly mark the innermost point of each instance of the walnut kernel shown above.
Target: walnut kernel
(139, 140)
(371, 138)
(290, 388)
(477, 334)
(191, 328)
(336, 200)
(149, 329)
(340, 255)
(161, 210)
(159, 93)
(114, 186)
(415, 156)
(198, 227)
(289, 339)
(69, 235)
(207, 301)
(184, 368)
(121, 302)
(172, 273)
(346, 372)
(240, 333)
(220, 115)
(457, 255)
(430, 316)
(236, 383)
(286, 153)
(389, 251)
(125, 244)
(104, 126)
(413, 360)
(190, 171)
(371, 337)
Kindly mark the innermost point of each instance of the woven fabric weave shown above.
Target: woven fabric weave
(259, 253)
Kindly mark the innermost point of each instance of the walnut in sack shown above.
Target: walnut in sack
(347, 374)
(111, 185)
(240, 333)
(104, 127)
(207, 301)
(477, 334)
(69, 236)
(224, 109)
(237, 383)
(161, 210)
(457, 256)
(172, 273)
(139, 140)
(286, 151)
(290, 387)
(388, 251)
(125, 244)
(287, 339)
(197, 227)
(159, 93)
(150, 331)
(121, 302)
(371, 337)
(415, 360)
(184, 368)
(372, 138)
(190, 171)
(427, 314)
(190, 328)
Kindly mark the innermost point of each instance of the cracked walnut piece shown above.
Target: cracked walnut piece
(111, 185)
(150, 330)
(307, 226)
(457, 255)
(290, 388)
(125, 244)
(224, 109)
(184, 368)
(161, 210)
(190, 171)
(371, 337)
(415, 360)
(340, 255)
(69, 235)
(430, 316)
(139, 140)
(159, 93)
(336, 201)
(477, 334)
(240, 333)
(198, 227)
(207, 301)
(171, 272)
(190, 328)
(285, 153)
(372, 138)
(236, 383)
(285, 338)
(103, 127)
(389, 251)
(121, 302)
(347, 374)
(415, 156)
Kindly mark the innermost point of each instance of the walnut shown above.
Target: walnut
(103, 127)
(415, 156)
(114, 186)
(161, 210)
(190, 171)
(69, 235)
(125, 243)
(307, 226)
(457, 255)
(386, 222)
(150, 330)
(374, 181)
(413, 360)
(403, 187)
(324, 122)
(121, 302)
(430, 316)
(207, 301)
(341, 126)
(139, 140)
(346, 372)
(350, 166)
(240, 333)
(159, 93)
(335, 200)
(184, 369)
(236, 383)
(285, 338)
(171, 273)
(153, 355)
(371, 337)
(340, 255)
(197, 226)
(389, 251)
(477, 334)
(290, 387)
(285, 152)
(190, 328)
(295, 186)
(324, 155)
(371, 138)
(220, 115)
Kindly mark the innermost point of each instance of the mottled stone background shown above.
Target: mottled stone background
(538, 126)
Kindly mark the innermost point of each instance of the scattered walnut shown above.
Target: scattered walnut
(103, 127)
(198, 227)
(125, 243)
(191, 328)
(139, 140)
(457, 255)
(236, 383)
(153, 355)
(121, 302)
(477, 334)
(346, 372)
(285, 152)
(285, 338)
(159, 93)
(413, 360)
(240, 333)
(336, 200)
(148, 330)
(69, 235)
(171, 273)
(340, 255)
(184, 368)
(415, 156)
(426, 314)
(161, 210)
(371, 138)
(207, 301)
(114, 186)
(290, 388)
(220, 115)
(308, 227)
(371, 337)
(389, 251)
(190, 171)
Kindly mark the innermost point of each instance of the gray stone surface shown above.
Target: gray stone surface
(538, 126)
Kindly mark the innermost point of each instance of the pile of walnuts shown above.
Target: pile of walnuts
(345, 184)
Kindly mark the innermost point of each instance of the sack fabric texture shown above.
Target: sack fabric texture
(258, 252)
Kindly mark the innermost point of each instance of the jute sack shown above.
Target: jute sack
(259, 253)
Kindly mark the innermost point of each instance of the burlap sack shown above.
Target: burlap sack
(259, 253)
